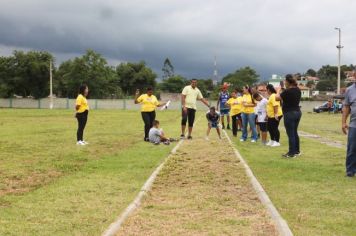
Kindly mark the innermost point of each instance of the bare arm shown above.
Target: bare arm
(345, 115)
(203, 100)
(162, 104)
(137, 94)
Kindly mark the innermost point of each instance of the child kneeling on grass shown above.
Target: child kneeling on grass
(156, 135)
(213, 118)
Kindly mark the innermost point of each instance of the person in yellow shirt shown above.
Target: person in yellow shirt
(274, 114)
(190, 95)
(248, 114)
(82, 110)
(235, 104)
(148, 102)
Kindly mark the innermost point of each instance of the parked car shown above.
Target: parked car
(322, 108)
(325, 108)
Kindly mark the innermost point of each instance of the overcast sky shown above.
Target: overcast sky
(272, 36)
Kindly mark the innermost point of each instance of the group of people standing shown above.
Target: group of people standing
(254, 110)
(260, 107)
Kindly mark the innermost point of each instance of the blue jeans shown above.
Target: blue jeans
(248, 119)
(351, 151)
(291, 122)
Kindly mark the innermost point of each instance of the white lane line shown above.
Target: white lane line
(281, 224)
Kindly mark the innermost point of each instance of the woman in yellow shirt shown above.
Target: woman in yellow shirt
(82, 110)
(274, 113)
(235, 104)
(248, 114)
(148, 102)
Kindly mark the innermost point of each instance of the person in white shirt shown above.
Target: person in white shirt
(261, 110)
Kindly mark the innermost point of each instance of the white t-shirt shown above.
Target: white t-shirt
(154, 135)
(261, 110)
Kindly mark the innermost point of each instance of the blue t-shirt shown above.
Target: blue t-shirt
(223, 97)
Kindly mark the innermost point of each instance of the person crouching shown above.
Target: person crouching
(213, 118)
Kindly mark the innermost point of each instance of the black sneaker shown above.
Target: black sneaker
(350, 174)
(288, 155)
(228, 126)
(166, 142)
(190, 137)
(182, 136)
(146, 139)
(298, 153)
(172, 140)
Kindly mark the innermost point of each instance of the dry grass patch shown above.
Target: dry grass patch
(202, 190)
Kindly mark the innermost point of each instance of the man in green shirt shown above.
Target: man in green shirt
(190, 95)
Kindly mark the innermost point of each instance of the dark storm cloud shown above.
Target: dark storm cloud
(275, 36)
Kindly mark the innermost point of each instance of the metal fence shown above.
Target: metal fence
(122, 104)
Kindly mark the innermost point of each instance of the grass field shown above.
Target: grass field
(50, 186)
(323, 124)
(311, 191)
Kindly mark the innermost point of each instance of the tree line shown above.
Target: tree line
(26, 74)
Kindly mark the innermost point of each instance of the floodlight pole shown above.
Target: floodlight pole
(339, 61)
(50, 86)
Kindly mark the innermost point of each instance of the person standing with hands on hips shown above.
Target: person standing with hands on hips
(82, 110)
(190, 95)
(148, 102)
(350, 108)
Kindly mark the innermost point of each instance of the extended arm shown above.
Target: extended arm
(203, 100)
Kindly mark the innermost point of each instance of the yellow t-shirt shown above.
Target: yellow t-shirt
(82, 103)
(235, 105)
(191, 96)
(271, 104)
(149, 103)
(248, 99)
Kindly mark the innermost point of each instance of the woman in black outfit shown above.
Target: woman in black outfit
(290, 98)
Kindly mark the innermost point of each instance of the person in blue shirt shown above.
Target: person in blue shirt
(224, 108)
(213, 118)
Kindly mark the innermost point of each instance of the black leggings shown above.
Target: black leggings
(273, 128)
(190, 116)
(148, 118)
(234, 119)
(82, 121)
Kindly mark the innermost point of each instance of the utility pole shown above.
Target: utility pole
(339, 61)
(215, 74)
(50, 86)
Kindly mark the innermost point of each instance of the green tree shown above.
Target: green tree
(241, 77)
(91, 69)
(173, 84)
(135, 76)
(327, 85)
(168, 69)
(311, 72)
(25, 74)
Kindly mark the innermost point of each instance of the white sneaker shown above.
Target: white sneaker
(242, 140)
(275, 144)
(85, 142)
(269, 143)
(253, 141)
(207, 138)
(81, 143)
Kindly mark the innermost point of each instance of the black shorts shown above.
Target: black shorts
(190, 116)
(263, 126)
